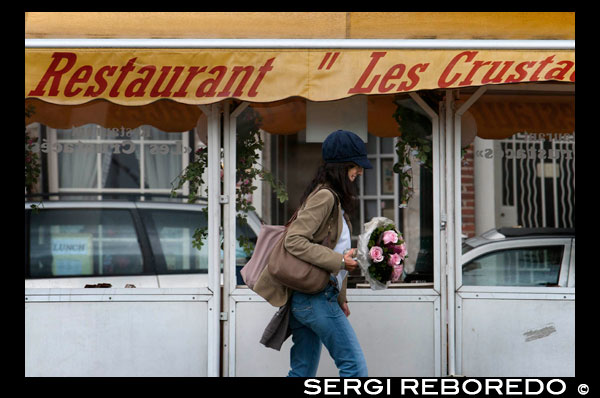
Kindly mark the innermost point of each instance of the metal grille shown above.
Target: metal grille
(538, 179)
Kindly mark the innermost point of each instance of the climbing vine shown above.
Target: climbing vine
(248, 169)
(414, 142)
(32, 160)
(415, 139)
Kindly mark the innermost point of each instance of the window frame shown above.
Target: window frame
(142, 142)
(489, 248)
(376, 159)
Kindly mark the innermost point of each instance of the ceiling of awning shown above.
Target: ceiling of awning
(496, 116)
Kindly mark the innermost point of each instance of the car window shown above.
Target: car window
(83, 242)
(527, 266)
(173, 237)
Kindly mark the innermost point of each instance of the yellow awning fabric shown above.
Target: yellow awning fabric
(193, 77)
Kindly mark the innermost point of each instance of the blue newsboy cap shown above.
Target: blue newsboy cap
(345, 146)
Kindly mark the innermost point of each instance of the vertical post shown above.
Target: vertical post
(450, 228)
(229, 232)
(435, 139)
(228, 228)
(455, 242)
(214, 222)
(441, 201)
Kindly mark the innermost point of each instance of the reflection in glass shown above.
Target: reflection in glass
(175, 234)
(162, 165)
(77, 242)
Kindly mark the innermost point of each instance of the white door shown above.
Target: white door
(400, 329)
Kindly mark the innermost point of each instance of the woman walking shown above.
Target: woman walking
(321, 318)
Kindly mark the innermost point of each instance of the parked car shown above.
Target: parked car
(520, 257)
(74, 243)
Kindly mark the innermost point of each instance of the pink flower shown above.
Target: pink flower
(376, 254)
(397, 273)
(401, 250)
(390, 237)
(394, 260)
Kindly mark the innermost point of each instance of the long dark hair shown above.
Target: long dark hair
(335, 175)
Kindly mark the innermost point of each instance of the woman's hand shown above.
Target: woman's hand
(349, 260)
(345, 309)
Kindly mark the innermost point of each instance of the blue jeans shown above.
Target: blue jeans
(318, 318)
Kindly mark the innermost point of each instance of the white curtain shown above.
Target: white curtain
(160, 169)
(77, 169)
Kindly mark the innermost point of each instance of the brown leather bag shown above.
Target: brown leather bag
(295, 273)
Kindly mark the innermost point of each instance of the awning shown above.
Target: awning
(127, 87)
(137, 77)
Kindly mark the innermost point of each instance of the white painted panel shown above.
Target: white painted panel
(155, 338)
(251, 357)
(512, 337)
(397, 338)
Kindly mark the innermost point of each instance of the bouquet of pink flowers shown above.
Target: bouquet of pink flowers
(381, 252)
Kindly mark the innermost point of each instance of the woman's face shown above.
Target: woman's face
(354, 172)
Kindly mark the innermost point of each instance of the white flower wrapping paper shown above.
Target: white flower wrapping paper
(362, 250)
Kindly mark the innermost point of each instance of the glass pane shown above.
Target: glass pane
(370, 179)
(162, 164)
(121, 170)
(512, 178)
(518, 172)
(387, 176)
(371, 144)
(119, 134)
(249, 140)
(370, 209)
(244, 232)
(387, 144)
(77, 242)
(152, 133)
(77, 170)
(387, 208)
(87, 132)
(175, 234)
(531, 266)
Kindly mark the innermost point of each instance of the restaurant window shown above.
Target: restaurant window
(518, 169)
(294, 161)
(94, 159)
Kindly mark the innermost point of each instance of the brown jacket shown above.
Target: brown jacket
(310, 226)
